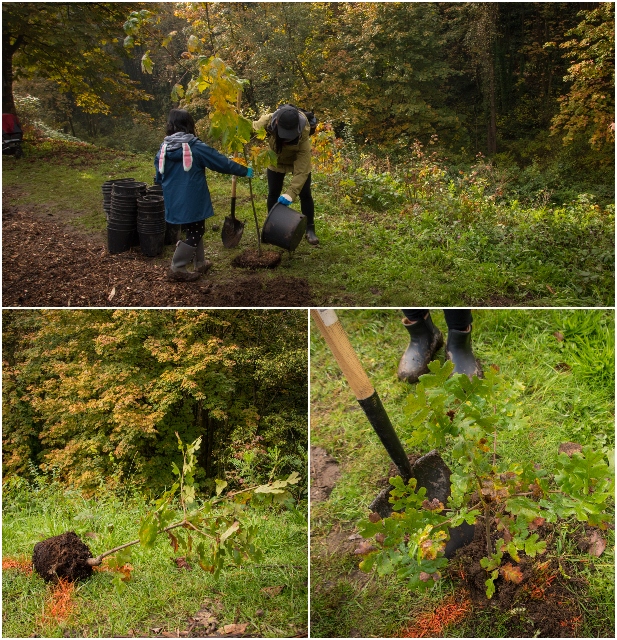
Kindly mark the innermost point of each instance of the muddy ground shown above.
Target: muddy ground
(46, 263)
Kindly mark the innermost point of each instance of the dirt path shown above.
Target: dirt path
(49, 264)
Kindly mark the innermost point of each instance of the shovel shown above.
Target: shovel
(430, 471)
(232, 227)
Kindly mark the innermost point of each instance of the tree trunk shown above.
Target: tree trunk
(8, 50)
(492, 125)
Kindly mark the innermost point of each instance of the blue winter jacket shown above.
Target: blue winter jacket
(187, 198)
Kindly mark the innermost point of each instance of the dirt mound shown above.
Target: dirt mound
(62, 557)
(542, 605)
(48, 264)
(250, 259)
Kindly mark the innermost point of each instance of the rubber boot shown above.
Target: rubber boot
(458, 349)
(425, 341)
(183, 255)
(310, 236)
(201, 265)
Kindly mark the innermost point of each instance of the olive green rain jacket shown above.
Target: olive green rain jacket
(294, 158)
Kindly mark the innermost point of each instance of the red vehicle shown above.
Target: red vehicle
(12, 135)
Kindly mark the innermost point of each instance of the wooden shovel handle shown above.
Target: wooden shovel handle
(334, 334)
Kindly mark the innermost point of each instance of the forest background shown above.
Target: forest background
(95, 398)
(530, 85)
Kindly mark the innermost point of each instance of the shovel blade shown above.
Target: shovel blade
(232, 232)
(432, 473)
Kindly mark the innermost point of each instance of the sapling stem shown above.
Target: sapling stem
(254, 210)
(95, 562)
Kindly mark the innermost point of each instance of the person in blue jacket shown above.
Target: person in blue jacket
(180, 168)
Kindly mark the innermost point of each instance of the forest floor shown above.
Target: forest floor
(55, 248)
(552, 353)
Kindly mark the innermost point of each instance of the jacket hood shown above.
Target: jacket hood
(175, 140)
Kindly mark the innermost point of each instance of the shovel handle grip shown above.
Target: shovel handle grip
(336, 338)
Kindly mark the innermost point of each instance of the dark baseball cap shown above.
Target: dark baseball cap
(287, 121)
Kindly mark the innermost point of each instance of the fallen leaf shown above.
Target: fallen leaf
(112, 294)
(597, 544)
(235, 629)
(183, 564)
(364, 548)
(535, 523)
(156, 629)
(559, 336)
(511, 573)
(272, 591)
(355, 536)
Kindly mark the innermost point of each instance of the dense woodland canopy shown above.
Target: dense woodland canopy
(513, 78)
(97, 396)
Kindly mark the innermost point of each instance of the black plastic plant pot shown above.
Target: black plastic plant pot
(129, 188)
(284, 227)
(119, 241)
(152, 244)
(120, 225)
(155, 190)
(151, 228)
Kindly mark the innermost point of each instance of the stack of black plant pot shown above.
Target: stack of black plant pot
(151, 224)
(122, 217)
(107, 188)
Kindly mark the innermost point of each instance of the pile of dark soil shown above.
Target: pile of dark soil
(542, 605)
(250, 259)
(47, 264)
(62, 557)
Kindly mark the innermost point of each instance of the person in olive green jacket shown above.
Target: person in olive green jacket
(288, 132)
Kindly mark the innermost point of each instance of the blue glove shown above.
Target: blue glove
(249, 172)
(285, 199)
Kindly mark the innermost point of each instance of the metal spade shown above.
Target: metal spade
(233, 228)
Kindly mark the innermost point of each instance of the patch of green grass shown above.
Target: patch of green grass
(555, 354)
(443, 250)
(158, 594)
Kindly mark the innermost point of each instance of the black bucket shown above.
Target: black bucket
(284, 227)
(152, 244)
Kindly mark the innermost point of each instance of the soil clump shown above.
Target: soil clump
(62, 557)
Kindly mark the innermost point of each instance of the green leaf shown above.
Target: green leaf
(234, 527)
(119, 585)
(148, 531)
(146, 63)
(533, 546)
(220, 486)
(177, 93)
(193, 44)
(490, 584)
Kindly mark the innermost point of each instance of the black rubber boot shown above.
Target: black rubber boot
(183, 255)
(458, 349)
(310, 236)
(426, 340)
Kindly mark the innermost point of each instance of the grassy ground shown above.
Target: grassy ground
(569, 395)
(447, 250)
(159, 595)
